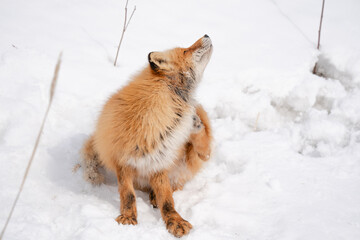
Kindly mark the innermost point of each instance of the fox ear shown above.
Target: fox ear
(157, 61)
(153, 65)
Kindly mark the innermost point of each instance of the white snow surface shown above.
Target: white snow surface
(287, 158)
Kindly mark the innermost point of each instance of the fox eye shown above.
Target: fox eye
(185, 51)
(161, 61)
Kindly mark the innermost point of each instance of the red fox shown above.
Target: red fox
(153, 134)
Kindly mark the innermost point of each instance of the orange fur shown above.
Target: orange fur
(153, 134)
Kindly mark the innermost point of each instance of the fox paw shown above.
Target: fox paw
(126, 220)
(197, 124)
(178, 227)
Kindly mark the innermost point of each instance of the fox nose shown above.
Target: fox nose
(206, 36)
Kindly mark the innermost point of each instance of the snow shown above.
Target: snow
(287, 159)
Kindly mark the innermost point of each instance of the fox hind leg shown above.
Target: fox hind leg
(202, 138)
(91, 163)
(197, 124)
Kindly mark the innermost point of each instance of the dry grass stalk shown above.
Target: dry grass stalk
(52, 91)
(319, 34)
(126, 24)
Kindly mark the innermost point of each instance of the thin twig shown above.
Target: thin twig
(319, 34)
(52, 90)
(321, 18)
(130, 17)
(126, 24)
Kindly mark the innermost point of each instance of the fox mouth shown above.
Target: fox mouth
(206, 53)
(205, 50)
(206, 41)
(206, 44)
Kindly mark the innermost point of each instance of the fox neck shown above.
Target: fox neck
(183, 84)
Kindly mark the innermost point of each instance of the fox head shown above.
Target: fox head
(188, 62)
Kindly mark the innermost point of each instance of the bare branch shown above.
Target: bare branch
(319, 33)
(126, 24)
(321, 18)
(124, 28)
(130, 18)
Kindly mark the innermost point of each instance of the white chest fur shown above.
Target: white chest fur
(165, 155)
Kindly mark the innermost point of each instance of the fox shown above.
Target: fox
(153, 134)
